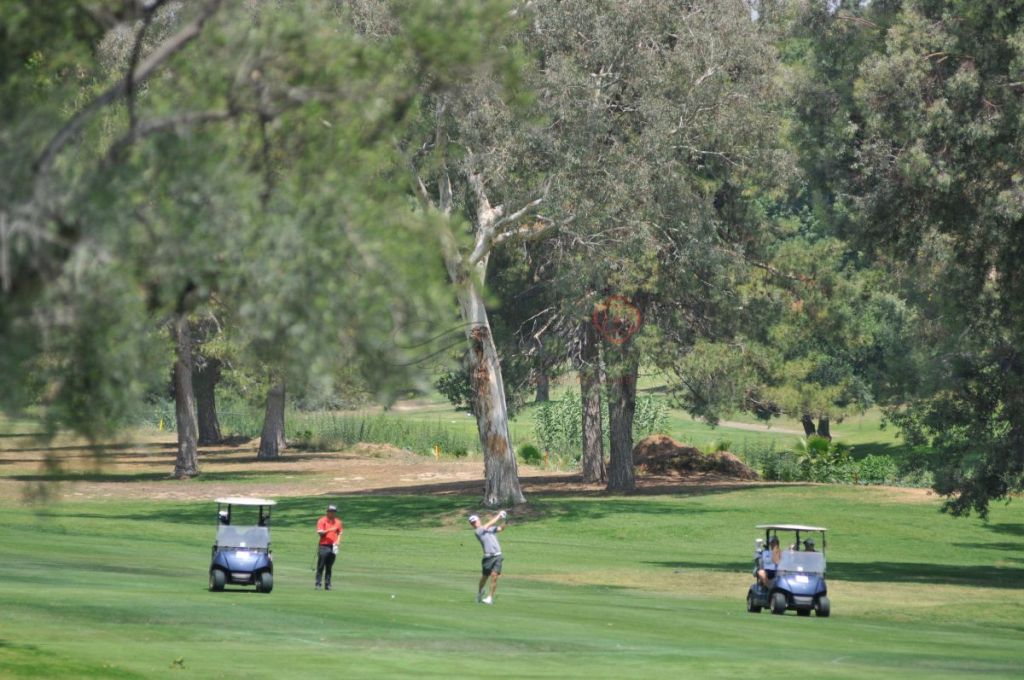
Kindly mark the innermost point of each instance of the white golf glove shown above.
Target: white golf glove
(334, 548)
(503, 514)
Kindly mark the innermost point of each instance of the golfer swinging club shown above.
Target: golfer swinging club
(329, 529)
(487, 535)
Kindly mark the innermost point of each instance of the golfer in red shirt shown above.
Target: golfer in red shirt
(329, 528)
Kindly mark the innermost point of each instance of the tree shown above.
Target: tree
(466, 165)
(935, 195)
(661, 111)
(187, 462)
(251, 173)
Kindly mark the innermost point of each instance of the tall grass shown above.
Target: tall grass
(323, 431)
(329, 431)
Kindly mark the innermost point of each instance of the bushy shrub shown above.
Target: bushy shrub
(530, 454)
(878, 470)
(780, 466)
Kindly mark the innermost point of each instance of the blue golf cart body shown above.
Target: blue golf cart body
(799, 582)
(241, 553)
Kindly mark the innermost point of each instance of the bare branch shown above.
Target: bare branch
(150, 9)
(527, 232)
(139, 75)
(522, 212)
(423, 193)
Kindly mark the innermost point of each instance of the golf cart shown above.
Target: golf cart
(241, 553)
(799, 582)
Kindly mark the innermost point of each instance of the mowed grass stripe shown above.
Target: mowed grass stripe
(618, 587)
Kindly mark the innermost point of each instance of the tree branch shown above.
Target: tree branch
(137, 76)
(151, 127)
(527, 232)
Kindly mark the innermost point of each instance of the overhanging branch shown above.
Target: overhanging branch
(136, 77)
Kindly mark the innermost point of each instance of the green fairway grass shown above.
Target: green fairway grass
(595, 587)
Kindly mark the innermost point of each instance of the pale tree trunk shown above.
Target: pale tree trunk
(621, 381)
(490, 408)
(468, 273)
(592, 460)
(205, 376)
(187, 462)
(272, 438)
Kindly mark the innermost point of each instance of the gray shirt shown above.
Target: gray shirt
(489, 540)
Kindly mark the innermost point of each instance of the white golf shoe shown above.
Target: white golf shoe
(487, 600)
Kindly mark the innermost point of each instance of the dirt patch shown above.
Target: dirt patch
(663, 455)
(141, 468)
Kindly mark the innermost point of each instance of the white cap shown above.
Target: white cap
(473, 518)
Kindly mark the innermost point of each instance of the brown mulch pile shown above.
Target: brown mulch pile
(661, 455)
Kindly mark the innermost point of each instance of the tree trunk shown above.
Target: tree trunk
(501, 486)
(543, 385)
(500, 470)
(621, 382)
(272, 438)
(808, 422)
(187, 463)
(205, 376)
(592, 461)
(823, 428)
(468, 274)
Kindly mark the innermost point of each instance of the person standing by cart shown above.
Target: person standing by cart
(329, 528)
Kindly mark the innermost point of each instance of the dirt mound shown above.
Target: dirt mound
(661, 455)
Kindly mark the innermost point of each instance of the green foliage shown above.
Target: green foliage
(877, 470)
(256, 172)
(913, 131)
(651, 417)
(718, 446)
(454, 386)
(332, 432)
(530, 454)
(821, 460)
(558, 424)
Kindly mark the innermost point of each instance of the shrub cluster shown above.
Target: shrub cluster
(816, 459)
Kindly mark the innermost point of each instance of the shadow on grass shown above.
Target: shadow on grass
(1012, 547)
(898, 452)
(7, 644)
(975, 575)
(413, 512)
(562, 485)
(1010, 529)
(152, 476)
(96, 448)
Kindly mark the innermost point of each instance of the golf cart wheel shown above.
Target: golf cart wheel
(217, 580)
(265, 583)
(823, 606)
(751, 607)
(803, 612)
(778, 603)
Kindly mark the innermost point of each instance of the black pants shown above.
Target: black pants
(324, 563)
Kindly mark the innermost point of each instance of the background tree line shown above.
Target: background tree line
(811, 207)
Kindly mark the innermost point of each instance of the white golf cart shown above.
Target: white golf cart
(799, 582)
(241, 553)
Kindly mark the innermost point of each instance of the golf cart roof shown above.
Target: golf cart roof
(242, 500)
(790, 527)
